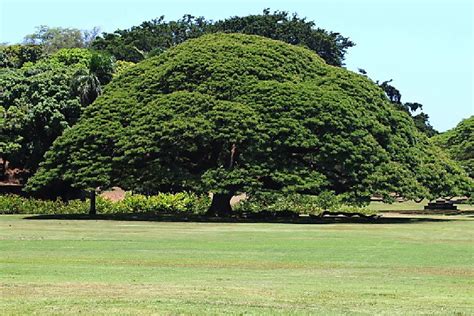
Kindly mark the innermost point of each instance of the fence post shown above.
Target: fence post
(92, 209)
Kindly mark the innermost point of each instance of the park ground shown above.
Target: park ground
(403, 265)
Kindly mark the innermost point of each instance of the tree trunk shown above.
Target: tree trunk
(3, 169)
(92, 209)
(220, 205)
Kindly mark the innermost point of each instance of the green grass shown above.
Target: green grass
(138, 268)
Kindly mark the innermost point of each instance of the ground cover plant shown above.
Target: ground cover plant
(418, 266)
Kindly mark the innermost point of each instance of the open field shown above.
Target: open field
(420, 266)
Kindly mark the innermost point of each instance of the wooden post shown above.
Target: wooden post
(92, 209)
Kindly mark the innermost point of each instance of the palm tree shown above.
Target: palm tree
(87, 84)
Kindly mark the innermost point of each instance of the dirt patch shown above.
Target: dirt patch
(115, 194)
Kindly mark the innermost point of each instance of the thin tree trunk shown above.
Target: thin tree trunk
(220, 205)
(92, 209)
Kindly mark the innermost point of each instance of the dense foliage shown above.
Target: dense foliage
(15, 56)
(459, 143)
(238, 113)
(292, 29)
(155, 36)
(183, 203)
(292, 205)
(37, 104)
(165, 203)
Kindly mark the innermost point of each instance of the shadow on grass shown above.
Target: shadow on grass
(206, 219)
(429, 212)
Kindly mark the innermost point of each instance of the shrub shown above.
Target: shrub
(274, 205)
(263, 205)
(356, 209)
(12, 204)
(280, 205)
(182, 202)
(166, 203)
(134, 204)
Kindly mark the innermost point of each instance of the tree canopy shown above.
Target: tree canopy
(280, 25)
(459, 143)
(15, 56)
(155, 36)
(421, 119)
(52, 39)
(415, 109)
(228, 113)
(37, 104)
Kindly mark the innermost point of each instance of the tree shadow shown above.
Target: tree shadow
(207, 219)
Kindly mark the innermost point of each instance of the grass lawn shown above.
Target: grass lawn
(129, 267)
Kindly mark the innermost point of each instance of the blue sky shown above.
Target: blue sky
(425, 46)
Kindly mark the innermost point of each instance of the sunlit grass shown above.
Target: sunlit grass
(126, 267)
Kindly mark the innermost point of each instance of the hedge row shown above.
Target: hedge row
(262, 205)
(161, 203)
(293, 205)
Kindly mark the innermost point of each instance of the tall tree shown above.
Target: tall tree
(36, 106)
(52, 39)
(292, 29)
(155, 36)
(151, 37)
(230, 113)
